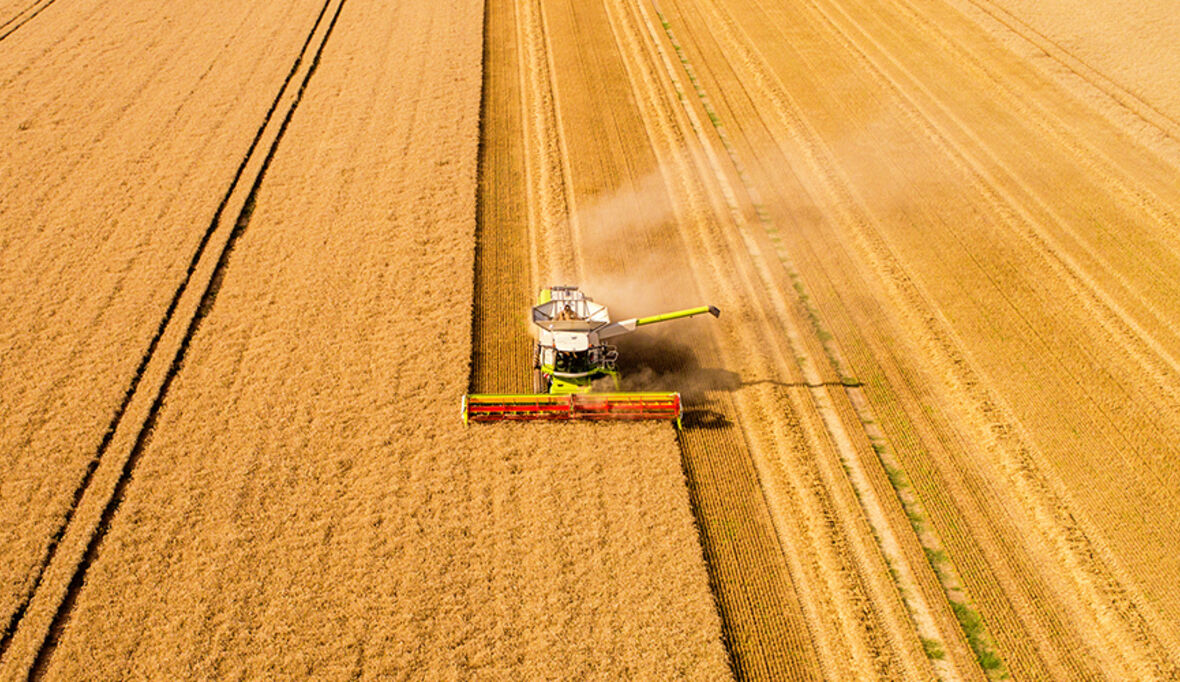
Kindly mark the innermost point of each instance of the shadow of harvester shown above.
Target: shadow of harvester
(652, 363)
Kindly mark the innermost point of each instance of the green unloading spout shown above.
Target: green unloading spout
(617, 328)
(711, 309)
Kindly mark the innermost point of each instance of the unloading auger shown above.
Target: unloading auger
(568, 356)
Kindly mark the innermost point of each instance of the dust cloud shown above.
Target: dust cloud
(634, 225)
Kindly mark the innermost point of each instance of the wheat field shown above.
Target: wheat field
(253, 254)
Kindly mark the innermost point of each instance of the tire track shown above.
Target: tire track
(204, 305)
(19, 13)
(140, 177)
(149, 353)
(207, 265)
(12, 25)
(1141, 108)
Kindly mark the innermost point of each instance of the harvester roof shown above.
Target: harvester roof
(570, 315)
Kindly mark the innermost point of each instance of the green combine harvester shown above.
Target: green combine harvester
(569, 355)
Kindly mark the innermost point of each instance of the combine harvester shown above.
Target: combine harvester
(568, 356)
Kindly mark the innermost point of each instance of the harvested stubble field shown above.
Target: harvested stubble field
(933, 434)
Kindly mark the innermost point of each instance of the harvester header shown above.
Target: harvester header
(569, 354)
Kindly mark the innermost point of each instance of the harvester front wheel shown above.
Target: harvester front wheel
(540, 381)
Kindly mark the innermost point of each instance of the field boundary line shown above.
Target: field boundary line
(98, 497)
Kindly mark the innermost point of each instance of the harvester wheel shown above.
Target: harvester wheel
(540, 381)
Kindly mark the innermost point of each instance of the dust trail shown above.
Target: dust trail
(636, 270)
(630, 267)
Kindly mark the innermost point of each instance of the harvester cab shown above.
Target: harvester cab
(569, 354)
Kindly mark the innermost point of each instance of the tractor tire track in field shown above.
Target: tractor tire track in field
(157, 369)
(141, 369)
(1144, 110)
(23, 17)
